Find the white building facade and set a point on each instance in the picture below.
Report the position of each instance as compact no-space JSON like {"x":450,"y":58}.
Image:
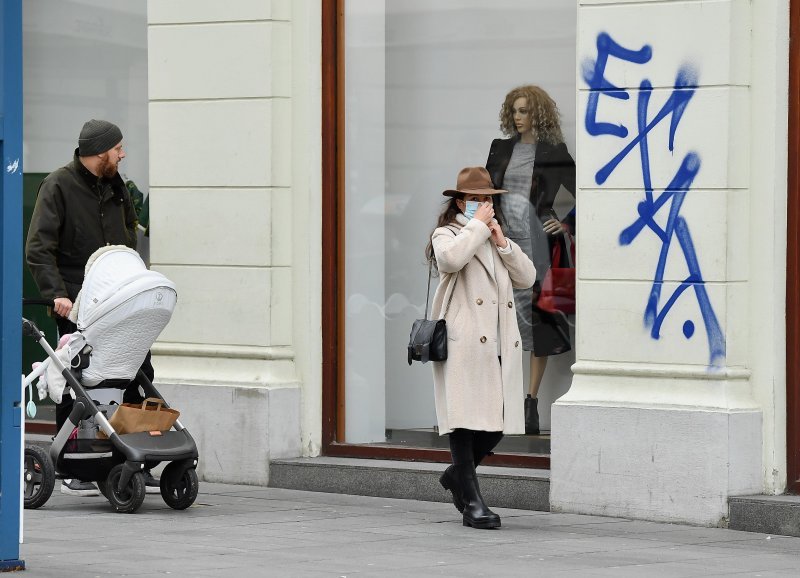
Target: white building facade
{"x":676,"y":113}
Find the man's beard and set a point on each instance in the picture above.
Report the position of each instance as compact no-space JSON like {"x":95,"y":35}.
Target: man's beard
{"x":106,"y":168}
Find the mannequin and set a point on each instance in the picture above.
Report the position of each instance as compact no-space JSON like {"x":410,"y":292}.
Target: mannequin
{"x":533,"y":164}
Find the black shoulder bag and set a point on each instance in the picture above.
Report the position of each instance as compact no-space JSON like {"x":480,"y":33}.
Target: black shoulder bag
{"x":428,"y":341}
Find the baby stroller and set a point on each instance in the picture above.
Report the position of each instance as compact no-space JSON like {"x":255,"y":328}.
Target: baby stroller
{"x":120,"y":311}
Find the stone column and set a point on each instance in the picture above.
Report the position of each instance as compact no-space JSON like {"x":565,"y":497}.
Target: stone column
{"x":220,"y":90}
{"x":666,"y":417}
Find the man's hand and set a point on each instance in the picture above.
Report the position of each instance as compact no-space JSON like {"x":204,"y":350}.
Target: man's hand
{"x":62,"y":306}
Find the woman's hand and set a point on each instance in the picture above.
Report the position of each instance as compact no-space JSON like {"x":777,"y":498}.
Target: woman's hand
{"x":552,"y":227}
{"x":485,"y":213}
{"x":497,"y":234}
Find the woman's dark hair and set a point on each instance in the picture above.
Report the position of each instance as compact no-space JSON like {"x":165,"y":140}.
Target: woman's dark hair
{"x":447,"y":216}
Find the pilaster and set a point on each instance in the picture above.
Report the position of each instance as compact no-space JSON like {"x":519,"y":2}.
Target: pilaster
{"x":663,"y":420}
{"x":221,"y":197}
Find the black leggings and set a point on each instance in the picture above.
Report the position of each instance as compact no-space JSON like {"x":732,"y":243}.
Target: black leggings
{"x":468,"y":445}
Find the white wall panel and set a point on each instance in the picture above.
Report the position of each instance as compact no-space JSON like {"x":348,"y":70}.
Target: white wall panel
{"x":229,"y":60}
{"x":281,"y":306}
{"x":218,"y":144}
{"x":712,"y":35}
{"x":219,"y":305}
{"x":717,"y":222}
{"x":612,"y":327}
{"x":196,"y":226}
{"x":188,"y":11}
{"x":281,"y":206}
{"x":711,"y":127}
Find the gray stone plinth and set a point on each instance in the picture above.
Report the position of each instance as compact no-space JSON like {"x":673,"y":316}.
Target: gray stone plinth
{"x":518,"y":488}
{"x":766,"y":514}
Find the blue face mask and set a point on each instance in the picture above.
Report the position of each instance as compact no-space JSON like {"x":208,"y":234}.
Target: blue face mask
{"x":472,"y":206}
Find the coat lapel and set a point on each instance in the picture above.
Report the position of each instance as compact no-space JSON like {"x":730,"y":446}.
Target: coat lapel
{"x":483,"y":255}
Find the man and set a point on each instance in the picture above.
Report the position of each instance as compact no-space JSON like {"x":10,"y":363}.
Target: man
{"x":81,"y":207}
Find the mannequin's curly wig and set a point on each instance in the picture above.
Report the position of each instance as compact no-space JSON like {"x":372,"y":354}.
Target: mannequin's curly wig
{"x":546,"y":118}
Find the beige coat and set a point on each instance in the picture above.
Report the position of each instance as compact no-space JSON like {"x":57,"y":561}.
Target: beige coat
{"x":471,"y":388}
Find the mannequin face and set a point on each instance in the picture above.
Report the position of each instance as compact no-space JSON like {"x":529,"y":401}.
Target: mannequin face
{"x":523,"y":116}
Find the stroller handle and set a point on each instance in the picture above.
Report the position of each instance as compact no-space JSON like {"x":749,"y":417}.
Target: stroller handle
{"x":37,"y":301}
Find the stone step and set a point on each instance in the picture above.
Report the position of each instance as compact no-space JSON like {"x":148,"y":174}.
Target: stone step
{"x":520,"y":488}
{"x":38,"y":439}
{"x":779,"y":515}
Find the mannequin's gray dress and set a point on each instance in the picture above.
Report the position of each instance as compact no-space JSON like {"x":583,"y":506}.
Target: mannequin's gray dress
{"x":522,"y":225}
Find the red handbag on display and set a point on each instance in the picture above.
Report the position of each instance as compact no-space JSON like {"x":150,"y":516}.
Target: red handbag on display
{"x":558,"y":285}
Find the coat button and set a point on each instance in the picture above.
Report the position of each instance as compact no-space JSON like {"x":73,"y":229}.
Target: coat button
{"x":510,"y":304}
{"x":479,"y":301}
{"x":483,"y":339}
{"x":516,"y":344}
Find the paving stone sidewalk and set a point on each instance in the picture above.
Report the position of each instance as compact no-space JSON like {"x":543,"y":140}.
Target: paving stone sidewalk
{"x":252,"y":531}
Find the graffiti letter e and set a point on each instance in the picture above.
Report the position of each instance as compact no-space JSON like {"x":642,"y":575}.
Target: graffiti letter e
{"x":594,"y":75}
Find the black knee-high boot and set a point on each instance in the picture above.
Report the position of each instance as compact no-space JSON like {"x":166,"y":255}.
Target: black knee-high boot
{"x":461,"y":480}
{"x":483,"y":442}
{"x":476,"y":513}
{"x":531,"y":415}
{"x":461,"y":451}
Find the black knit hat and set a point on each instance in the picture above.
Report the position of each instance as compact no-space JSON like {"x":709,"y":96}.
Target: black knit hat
{"x":98,"y":136}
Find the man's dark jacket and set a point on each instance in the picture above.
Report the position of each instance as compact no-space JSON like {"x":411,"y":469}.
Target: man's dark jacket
{"x":76,"y":213}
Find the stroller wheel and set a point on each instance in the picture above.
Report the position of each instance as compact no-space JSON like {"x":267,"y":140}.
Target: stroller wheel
{"x":39,"y":477}
{"x":179,"y":490}
{"x":131,"y":497}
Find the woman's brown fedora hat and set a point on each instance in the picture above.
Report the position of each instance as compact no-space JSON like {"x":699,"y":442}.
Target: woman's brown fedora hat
{"x":473,"y":181}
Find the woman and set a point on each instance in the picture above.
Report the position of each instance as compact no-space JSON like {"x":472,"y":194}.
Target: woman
{"x":478,"y":398}
{"x":533,"y":164}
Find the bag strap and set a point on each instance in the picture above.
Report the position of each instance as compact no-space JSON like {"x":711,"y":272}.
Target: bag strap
{"x":568,"y":243}
{"x":428,"y":294}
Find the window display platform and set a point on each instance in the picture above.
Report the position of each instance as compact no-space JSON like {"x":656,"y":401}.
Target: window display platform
{"x":430,"y":438}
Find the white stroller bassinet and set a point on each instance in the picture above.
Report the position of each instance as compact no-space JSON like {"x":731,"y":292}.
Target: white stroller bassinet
{"x":121,"y":310}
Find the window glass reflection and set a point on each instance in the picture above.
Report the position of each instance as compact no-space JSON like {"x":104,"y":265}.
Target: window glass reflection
{"x":424,"y":86}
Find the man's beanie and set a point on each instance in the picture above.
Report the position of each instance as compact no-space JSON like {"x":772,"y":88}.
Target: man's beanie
{"x":98,"y":136}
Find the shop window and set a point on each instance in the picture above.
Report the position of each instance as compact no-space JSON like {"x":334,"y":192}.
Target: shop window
{"x":82,"y":59}
{"x":423,"y":85}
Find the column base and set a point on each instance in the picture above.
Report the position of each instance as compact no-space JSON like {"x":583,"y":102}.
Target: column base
{"x":238,"y":428}
{"x":665,"y":464}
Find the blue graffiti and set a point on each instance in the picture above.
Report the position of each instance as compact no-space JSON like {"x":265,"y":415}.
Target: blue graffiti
{"x":676,"y":228}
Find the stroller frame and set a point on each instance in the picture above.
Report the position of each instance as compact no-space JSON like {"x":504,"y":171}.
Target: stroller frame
{"x":135,"y":452}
